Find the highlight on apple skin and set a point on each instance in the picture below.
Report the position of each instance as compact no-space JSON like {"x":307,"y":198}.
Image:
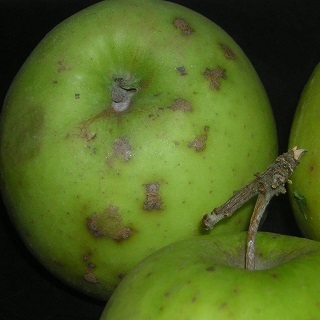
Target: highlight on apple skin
{"x":121,"y":130}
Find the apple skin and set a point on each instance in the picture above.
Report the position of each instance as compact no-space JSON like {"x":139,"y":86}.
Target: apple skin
{"x":304,"y":190}
{"x":204,"y":278}
{"x":94,"y":189}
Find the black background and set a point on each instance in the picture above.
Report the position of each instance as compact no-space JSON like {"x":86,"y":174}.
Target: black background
{"x":282,"y":40}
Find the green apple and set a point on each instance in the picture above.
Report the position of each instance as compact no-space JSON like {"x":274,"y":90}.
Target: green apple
{"x":305,"y":187}
{"x":127,"y":123}
{"x":204,"y":278}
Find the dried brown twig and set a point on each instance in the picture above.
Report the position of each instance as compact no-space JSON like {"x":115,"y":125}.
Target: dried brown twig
{"x":266,"y":185}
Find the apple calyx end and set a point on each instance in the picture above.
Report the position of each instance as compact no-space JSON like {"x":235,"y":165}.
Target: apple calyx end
{"x":121,"y":95}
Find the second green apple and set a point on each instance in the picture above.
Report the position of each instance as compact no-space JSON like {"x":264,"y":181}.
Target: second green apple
{"x":305,"y":187}
{"x":127,"y":123}
{"x":203,"y":278}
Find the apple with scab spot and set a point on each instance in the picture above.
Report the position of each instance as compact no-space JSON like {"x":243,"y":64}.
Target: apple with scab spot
{"x":203,"y":278}
{"x":128,"y":122}
{"x":304,"y":190}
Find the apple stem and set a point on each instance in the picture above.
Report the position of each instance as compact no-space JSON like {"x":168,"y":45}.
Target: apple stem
{"x":266,"y":185}
{"x":258,"y":212}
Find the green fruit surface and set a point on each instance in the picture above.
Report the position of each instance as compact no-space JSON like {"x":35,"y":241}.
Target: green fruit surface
{"x":305,"y":133}
{"x":93,"y":190}
{"x":204,"y":279}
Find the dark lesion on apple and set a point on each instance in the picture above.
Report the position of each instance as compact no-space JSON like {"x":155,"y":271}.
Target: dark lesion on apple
{"x":86,"y":134}
{"x":199,"y":142}
{"x":122,"y":149}
{"x":182,"y":70}
{"x":227,"y":51}
{"x":63,"y":66}
{"x":181,"y":104}
{"x":90,"y":277}
{"x":214,"y":77}
{"x":108,"y":224}
{"x":89,"y":274}
{"x":184,"y":26}
{"x":121,"y":275}
{"x":153,"y":200}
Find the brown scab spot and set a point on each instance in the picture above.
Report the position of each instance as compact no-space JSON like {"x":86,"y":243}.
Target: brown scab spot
{"x":181,"y":24}
{"x":214,"y":76}
{"x":62,"y":66}
{"x":121,"y":275}
{"x":211,"y":268}
{"x":86,"y":134}
{"x":223,"y":305}
{"x":87,"y":256}
{"x":182,"y":70}
{"x":108,"y":224}
{"x":157,"y":113}
{"x":89,"y":276}
{"x":181,"y":104}
{"x":199,"y":143}
{"x":228,"y":53}
{"x":122,"y":149}
{"x":153,"y":200}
